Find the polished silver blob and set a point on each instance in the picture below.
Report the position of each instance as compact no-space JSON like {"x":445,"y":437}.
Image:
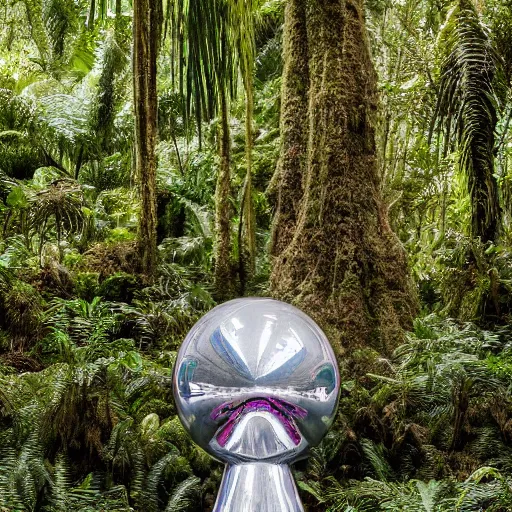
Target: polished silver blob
{"x":256,"y":384}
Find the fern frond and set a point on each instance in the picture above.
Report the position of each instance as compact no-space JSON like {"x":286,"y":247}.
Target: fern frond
{"x":185,"y":495}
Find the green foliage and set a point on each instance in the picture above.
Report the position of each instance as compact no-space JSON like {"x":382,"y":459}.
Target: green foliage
{"x":185,"y":495}
{"x":61,"y":20}
{"x":120,"y":287}
{"x":17,"y":198}
{"x":120,"y":235}
{"x":117,"y":208}
{"x":166,"y":310}
{"x":72,"y":259}
{"x":470,"y":96}
{"x":86,"y":285}
{"x":433,"y":423}
{"x":19,"y":158}
{"x":22,"y":308}
{"x":61,"y":203}
{"x":87,"y":419}
{"x":111,"y":60}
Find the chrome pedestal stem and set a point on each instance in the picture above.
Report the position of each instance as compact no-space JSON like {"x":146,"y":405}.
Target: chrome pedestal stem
{"x":258,"y":487}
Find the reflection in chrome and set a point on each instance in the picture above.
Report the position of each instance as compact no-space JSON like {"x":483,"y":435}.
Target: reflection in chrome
{"x":256,"y":385}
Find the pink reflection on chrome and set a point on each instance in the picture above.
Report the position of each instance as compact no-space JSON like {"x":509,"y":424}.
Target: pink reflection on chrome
{"x":281,"y":409}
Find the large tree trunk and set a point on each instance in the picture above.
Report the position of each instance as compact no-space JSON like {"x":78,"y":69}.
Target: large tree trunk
{"x":91,"y":15}
{"x":286,"y":188}
{"x":146,"y":34}
{"x":335,"y":255}
{"x":119,"y":11}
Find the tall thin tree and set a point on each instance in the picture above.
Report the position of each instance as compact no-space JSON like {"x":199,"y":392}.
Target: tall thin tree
{"x":213,"y":43}
{"x":147,"y":18}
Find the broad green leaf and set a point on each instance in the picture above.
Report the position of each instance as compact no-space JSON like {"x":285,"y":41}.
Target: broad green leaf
{"x":17,"y":198}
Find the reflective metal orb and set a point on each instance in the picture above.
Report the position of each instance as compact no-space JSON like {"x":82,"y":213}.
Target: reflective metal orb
{"x":256,"y":381}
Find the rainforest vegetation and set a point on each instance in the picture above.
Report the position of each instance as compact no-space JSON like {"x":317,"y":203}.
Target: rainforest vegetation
{"x":158,"y":157}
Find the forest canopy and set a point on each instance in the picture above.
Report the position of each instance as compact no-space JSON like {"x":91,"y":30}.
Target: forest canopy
{"x":159,"y":157}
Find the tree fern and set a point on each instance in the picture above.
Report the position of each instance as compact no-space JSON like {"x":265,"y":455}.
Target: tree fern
{"x":467,"y":109}
{"x":495,"y":495}
{"x":61,"y":485}
{"x":9,"y":498}
{"x":376,"y":456}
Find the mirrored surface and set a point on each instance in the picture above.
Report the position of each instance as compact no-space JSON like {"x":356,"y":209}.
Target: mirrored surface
{"x":256,"y":380}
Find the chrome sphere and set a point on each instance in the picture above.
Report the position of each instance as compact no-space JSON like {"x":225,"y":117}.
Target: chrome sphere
{"x":256,"y":380}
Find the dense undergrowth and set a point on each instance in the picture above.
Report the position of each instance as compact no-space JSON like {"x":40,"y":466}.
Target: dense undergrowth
{"x":88,"y":418}
{"x":87,"y":343}
{"x":429,"y":429}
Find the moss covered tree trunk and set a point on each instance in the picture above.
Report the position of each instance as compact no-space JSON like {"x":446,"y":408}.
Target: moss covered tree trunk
{"x":335,"y":255}
{"x":223,"y":272}
{"x":146,"y":34}
{"x":91,"y":16}
{"x":247,"y":226}
{"x":482,"y":184}
{"x":286,"y":187}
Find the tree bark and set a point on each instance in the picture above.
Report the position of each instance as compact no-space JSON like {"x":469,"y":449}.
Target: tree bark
{"x":146,"y":35}
{"x":224,"y":287}
{"x":335,"y":255}
{"x":247,"y":227}
{"x":286,"y":188}
{"x":482,"y":185}
{"x":91,"y":15}
{"x":119,"y":11}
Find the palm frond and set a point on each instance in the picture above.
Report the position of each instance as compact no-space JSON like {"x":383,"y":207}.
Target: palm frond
{"x":210,"y":42}
{"x":62,"y":201}
{"x":156,"y":476}
{"x":65,"y":117}
{"x":61,"y":20}
{"x":376,"y":456}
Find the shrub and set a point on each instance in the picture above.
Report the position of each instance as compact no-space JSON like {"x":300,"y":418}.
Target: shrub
{"x":86,"y":285}
{"x":120,"y":287}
